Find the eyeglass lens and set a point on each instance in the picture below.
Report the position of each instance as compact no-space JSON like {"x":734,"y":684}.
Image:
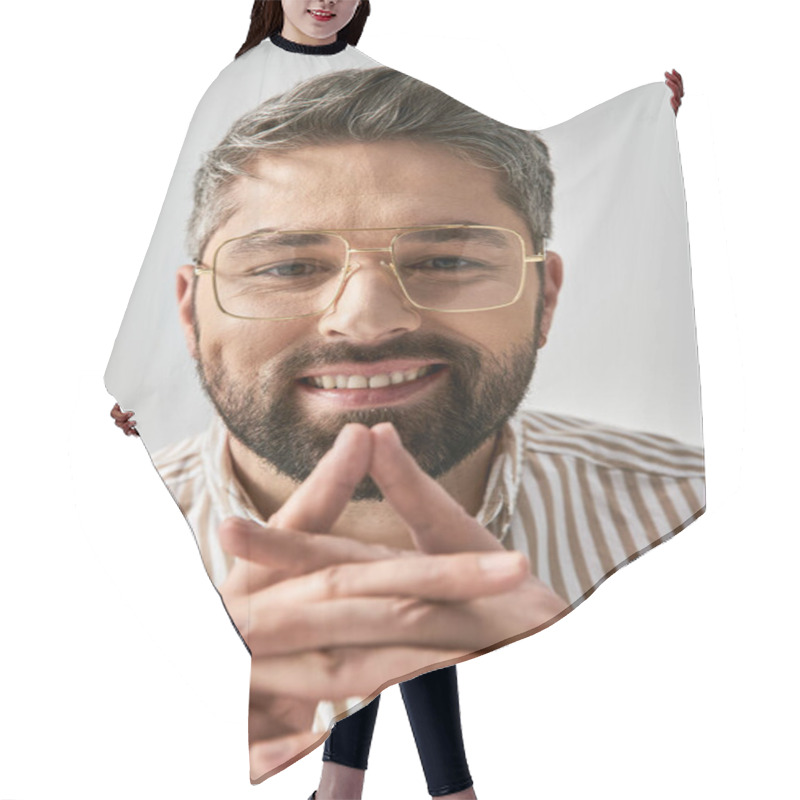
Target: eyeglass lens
{"x":288,"y":274}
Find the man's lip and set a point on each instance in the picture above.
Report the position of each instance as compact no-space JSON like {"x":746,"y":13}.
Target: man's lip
{"x":327,"y":400}
{"x":368,"y":369}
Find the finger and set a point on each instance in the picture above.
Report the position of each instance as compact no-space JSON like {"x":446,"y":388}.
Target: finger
{"x":321,"y":498}
{"x":289,"y":615}
{"x":379,"y":623}
{"x":294,"y":552}
{"x":387,"y":621}
{"x":431,"y":578}
{"x":121,"y":416}
{"x":436,"y":521}
{"x":269,"y":757}
{"x":344,"y":672}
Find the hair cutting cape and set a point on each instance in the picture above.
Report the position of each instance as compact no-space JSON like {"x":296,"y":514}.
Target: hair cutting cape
{"x":603,"y":461}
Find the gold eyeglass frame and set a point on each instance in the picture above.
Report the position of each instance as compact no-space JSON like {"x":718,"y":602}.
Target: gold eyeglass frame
{"x":347,"y":270}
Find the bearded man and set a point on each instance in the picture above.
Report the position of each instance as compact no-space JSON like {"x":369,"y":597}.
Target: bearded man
{"x":370,"y":290}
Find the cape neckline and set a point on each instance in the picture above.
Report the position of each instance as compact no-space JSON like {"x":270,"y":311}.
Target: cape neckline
{"x":308,"y":49}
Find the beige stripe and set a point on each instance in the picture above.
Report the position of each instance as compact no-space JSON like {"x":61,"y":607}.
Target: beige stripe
{"x":583,"y":424}
{"x":184,"y":496}
{"x":648,"y":441}
{"x":529,"y":526}
{"x":675,"y":454}
{"x":673,"y":517}
{"x":203,"y":512}
{"x":171,"y":470}
{"x":617,"y":516}
{"x":652,"y":441}
{"x":578,"y":558}
{"x":556,"y":578}
{"x":533,"y":424}
{"x":691,"y":498}
{"x":651,"y":462}
{"x":595,"y":527}
{"x":641,"y":508}
{"x":183,"y":471}
{"x":562,"y":423}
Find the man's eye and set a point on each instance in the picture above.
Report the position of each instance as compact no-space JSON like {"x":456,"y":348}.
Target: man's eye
{"x":290,"y":269}
{"x":446,"y":264}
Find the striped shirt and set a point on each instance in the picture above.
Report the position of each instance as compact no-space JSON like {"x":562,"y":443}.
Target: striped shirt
{"x":579,"y":499}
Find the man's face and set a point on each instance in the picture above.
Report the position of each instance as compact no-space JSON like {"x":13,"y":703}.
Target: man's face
{"x":453,"y":379}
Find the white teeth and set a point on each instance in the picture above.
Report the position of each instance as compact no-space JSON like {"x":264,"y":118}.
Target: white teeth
{"x":357,"y":382}
{"x":379,"y":381}
{"x":371,"y":382}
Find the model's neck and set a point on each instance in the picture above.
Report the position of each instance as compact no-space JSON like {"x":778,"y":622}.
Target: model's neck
{"x":368,"y":521}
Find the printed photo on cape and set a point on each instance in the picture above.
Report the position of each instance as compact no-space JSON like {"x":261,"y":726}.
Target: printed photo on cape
{"x":357,"y":247}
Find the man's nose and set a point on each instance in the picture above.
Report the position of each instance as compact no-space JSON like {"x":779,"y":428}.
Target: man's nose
{"x":370,"y":306}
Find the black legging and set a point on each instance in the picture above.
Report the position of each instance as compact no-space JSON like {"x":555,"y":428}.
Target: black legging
{"x":432,"y":706}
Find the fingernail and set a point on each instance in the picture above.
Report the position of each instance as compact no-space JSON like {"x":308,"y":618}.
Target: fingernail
{"x":497,"y":564}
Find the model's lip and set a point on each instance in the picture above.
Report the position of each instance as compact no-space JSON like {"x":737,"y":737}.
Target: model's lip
{"x":320,"y":14}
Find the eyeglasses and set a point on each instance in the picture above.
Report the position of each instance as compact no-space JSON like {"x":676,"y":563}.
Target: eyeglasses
{"x":283,"y":275}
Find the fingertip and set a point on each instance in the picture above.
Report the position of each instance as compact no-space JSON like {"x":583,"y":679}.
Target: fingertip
{"x":387,"y":446}
{"x":354,"y":443}
{"x":352,"y":432}
{"x":228,"y":530}
{"x":233,"y":531}
{"x":386,"y":432}
{"x":507,"y":564}
{"x":353,"y":426}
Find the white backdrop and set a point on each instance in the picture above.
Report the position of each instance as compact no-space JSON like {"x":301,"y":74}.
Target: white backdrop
{"x":120,"y":675}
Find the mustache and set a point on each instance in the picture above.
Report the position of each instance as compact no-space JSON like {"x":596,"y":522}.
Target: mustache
{"x":422,"y":346}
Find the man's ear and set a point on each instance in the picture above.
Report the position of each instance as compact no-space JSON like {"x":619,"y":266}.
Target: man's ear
{"x":185,"y":289}
{"x":553,"y":278}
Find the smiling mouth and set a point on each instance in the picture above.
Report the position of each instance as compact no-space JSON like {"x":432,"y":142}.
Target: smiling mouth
{"x":323,"y":16}
{"x":380,"y":381}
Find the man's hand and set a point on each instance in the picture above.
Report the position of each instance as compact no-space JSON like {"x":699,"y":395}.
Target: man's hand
{"x":328,"y":618}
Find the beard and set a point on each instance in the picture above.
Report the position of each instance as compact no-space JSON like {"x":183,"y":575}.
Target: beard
{"x":477,"y":396}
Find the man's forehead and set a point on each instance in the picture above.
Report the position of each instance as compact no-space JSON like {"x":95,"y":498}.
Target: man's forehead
{"x":356,"y":167}
{"x":368,"y":184}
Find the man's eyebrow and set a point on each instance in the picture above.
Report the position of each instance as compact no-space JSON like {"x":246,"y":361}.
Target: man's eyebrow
{"x":488,"y":236}
{"x":256,"y":241}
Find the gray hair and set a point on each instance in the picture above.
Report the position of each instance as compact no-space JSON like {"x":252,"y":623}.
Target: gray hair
{"x":370,"y":106}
